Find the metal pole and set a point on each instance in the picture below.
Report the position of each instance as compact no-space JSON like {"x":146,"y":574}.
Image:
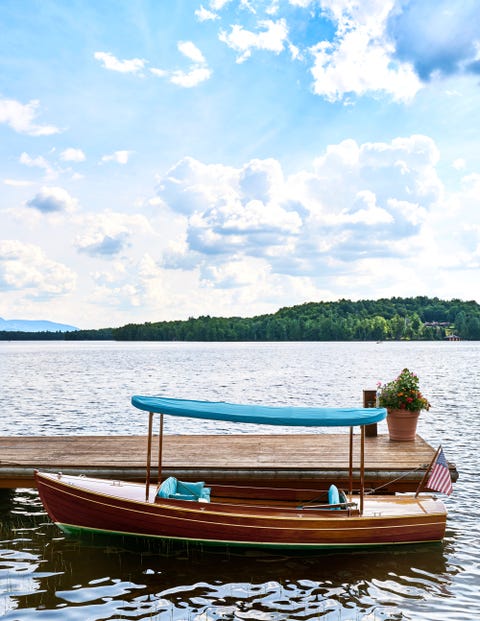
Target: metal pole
{"x":362,"y":467}
{"x":149,"y":455}
{"x":160,"y":448}
{"x":350,"y":472}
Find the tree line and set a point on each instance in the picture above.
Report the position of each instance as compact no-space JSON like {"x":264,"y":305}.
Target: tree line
{"x":416,"y":318}
{"x":104,"y":334}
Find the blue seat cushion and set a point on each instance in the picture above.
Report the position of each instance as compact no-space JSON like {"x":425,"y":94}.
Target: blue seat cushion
{"x":178,"y":496}
{"x":195,"y":489}
{"x":181,"y":490}
{"x":169,"y":486}
{"x":333,"y":495}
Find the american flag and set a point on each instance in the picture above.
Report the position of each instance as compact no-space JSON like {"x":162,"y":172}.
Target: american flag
{"x":440,"y":479}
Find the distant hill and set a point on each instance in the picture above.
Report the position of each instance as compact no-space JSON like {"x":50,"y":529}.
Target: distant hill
{"x":32,"y":325}
{"x":395,"y":319}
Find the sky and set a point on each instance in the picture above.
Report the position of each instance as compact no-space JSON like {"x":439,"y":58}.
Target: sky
{"x":168,"y":159}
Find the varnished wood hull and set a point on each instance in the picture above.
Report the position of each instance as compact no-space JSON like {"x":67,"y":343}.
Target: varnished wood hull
{"x":119,"y":509}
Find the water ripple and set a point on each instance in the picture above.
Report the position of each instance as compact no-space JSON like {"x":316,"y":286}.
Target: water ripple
{"x":69,"y":389}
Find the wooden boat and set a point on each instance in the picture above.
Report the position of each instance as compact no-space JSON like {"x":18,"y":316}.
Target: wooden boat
{"x":243,"y":515}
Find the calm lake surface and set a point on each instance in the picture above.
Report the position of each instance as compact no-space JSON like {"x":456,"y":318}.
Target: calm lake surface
{"x":57,"y":388}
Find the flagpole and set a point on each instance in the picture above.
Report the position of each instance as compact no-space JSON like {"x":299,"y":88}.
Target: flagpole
{"x":427,"y":472}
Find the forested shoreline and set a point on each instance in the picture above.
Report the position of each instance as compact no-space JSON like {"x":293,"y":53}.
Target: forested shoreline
{"x":416,"y":318}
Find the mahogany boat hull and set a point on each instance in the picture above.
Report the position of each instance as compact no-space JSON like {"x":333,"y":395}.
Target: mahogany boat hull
{"x":76,"y":503}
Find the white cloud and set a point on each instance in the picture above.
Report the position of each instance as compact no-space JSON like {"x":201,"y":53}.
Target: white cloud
{"x":119,"y":157}
{"x":272,"y":38}
{"x":458,"y":227}
{"x":373,"y":200}
{"x":21,"y":118}
{"x":191,"y":78}
{"x":358,"y":59}
{"x":204,"y":15}
{"x":104,"y":245}
{"x":24,"y":267}
{"x":192,"y":186}
{"x":238,"y":272}
{"x":217,"y":5}
{"x":109,"y":61}
{"x":131,"y":284}
{"x":301,"y":3}
{"x":229,"y":210}
{"x":273,"y":8}
{"x":256,"y":216}
{"x":109,"y":234}
{"x":39,"y":162}
{"x":197,"y":73}
{"x":18,"y":183}
{"x":161,"y":73}
{"x":459,"y":164}
{"x":72,"y":155}
{"x":191,"y":51}
{"x":361,"y":57}
{"x":365,"y":210}
{"x":53,"y":199}
{"x":261,"y":180}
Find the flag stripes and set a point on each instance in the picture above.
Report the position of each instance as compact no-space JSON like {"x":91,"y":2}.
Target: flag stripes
{"x":440,"y":479}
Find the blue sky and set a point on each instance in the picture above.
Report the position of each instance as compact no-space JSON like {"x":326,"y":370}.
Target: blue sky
{"x":170,"y":159}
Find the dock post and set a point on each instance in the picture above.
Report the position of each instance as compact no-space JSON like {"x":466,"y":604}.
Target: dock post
{"x":369,"y":396}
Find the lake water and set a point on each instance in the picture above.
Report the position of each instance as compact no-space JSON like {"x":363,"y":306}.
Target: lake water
{"x":57,"y":388}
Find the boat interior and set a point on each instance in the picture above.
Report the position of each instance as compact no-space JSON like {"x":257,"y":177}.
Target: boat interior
{"x":221,"y":497}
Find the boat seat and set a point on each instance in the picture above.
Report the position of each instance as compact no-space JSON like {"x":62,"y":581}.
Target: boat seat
{"x":182,"y":490}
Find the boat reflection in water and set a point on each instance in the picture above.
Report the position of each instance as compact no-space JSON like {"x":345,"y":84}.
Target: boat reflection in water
{"x":103,"y":577}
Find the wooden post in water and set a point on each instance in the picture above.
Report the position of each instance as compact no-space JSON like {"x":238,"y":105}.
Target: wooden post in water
{"x":369,"y":398}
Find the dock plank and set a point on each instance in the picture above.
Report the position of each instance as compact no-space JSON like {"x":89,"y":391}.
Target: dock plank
{"x":286,"y":459}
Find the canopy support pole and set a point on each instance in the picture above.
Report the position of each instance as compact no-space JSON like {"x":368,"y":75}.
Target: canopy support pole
{"x":160,"y":449}
{"x":350,"y":466}
{"x":362,"y":466}
{"x":149,"y":455}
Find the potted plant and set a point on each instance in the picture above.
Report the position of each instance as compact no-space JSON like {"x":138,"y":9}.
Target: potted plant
{"x":404,"y":402}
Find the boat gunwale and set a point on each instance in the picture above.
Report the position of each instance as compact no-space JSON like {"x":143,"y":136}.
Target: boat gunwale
{"x":251,"y":511}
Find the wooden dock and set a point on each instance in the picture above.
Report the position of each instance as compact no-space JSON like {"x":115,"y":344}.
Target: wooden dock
{"x":311,"y":460}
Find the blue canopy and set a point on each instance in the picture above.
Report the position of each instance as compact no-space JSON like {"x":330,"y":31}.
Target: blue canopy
{"x":261,"y":414}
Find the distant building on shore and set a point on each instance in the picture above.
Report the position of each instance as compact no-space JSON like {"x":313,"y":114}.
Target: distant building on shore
{"x":453,"y":337}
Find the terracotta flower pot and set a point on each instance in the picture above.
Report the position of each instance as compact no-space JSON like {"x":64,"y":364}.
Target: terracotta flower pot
{"x":402,"y":424}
